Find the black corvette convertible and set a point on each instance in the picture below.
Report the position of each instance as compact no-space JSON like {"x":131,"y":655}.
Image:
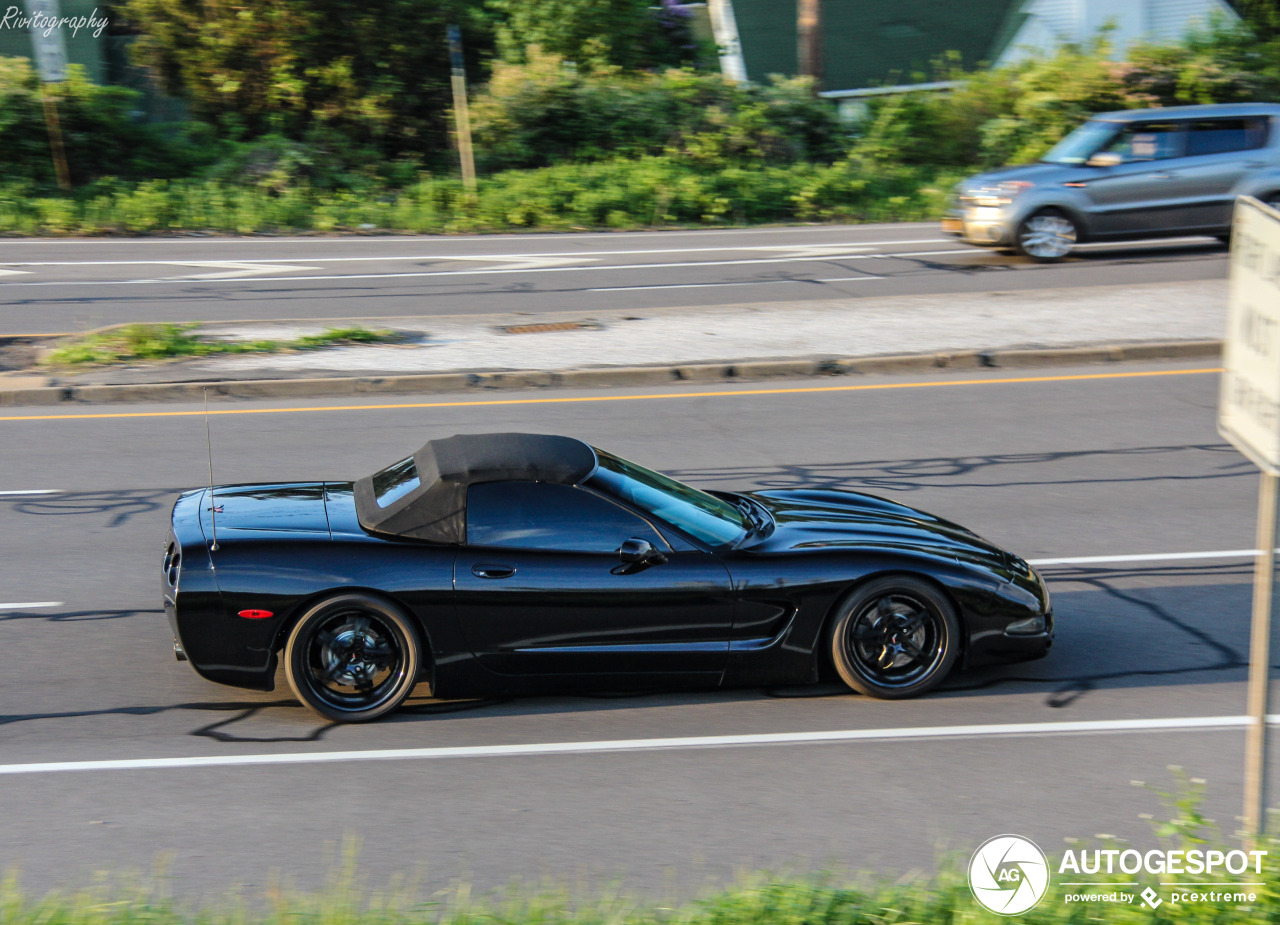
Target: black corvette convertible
{"x":510,"y":563}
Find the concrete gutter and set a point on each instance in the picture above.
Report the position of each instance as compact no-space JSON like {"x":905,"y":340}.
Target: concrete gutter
{"x":12,"y":393}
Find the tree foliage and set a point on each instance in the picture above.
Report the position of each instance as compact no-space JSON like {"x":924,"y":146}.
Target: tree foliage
{"x":101,"y":136}
{"x":630,"y":34}
{"x":375,"y":71}
{"x":1016,"y":113}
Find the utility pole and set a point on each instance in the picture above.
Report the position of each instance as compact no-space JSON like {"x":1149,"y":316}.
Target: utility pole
{"x":50,"y":50}
{"x":809,"y":40}
{"x":462,"y":118}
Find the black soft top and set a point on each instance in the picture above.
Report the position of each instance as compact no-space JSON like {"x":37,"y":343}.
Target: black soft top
{"x":436,"y":510}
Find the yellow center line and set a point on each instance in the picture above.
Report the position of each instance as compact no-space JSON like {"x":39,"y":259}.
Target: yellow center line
{"x":598,"y":398}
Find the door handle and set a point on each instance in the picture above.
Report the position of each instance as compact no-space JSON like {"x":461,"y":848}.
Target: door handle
{"x":481,"y":570}
{"x":1164,"y":174}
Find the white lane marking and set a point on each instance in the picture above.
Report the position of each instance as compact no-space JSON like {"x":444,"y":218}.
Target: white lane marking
{"x":231,"y":269}
{"x":754,"y":282}
{"x":481,"y":272}
{"x":1151,"y":557}
{"x":30,"y":605}
{"x":34,"y":491}
{"x":815,"y":250}
{"x":4,"y":272}
{"x":509,"y":236}
{"x":1079,"y":727}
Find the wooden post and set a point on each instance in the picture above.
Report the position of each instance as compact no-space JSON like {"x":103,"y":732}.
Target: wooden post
{"x":55,"y":140}
{"x":461,"y":116}
{"x":1258,"y":697}
{"x":809,"y":40}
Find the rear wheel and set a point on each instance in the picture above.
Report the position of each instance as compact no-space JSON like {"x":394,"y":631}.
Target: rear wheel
{"x":1047,"y":235}
{"x":353,"y":658}
{"x":895,"y":637}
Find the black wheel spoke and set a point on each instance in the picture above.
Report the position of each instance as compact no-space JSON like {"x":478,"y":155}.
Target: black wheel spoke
{"x":909,"y":646}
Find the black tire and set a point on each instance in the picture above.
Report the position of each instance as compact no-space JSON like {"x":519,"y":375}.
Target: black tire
{"x":353,"y":658}
{"x":1047,"y":236}
{"x":895,"y":637}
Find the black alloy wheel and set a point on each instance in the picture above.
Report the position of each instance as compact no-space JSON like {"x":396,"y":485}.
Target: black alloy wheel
{"x":895,"y":637}
{"x":353,"y":658}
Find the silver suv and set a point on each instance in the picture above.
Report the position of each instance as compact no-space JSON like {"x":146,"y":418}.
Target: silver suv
{"x":1133,"y":174}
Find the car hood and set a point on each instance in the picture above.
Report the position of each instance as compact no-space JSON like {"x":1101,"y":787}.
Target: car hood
{"x":1039,"y":174}
{"x":830,"y":519}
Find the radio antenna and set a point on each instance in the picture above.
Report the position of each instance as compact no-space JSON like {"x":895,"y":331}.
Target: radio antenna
{"x":213,"y":508}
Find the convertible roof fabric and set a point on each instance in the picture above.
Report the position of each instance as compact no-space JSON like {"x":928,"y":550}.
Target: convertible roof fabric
{"x":436,"y":509}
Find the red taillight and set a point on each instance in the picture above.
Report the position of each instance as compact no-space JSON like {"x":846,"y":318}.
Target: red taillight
{"x":257,"y":614}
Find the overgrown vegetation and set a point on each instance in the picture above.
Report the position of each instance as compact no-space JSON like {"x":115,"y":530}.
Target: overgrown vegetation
{"x":136,"y":342}
{"x":292,"y":143}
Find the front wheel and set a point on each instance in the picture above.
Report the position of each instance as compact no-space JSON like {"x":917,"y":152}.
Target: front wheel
{"x":352,"y":658}
{"x":1047,"y":236}
{"x":895,"y":637}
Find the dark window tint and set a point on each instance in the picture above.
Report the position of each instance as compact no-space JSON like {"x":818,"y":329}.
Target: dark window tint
{"x":395,"y":481}
{"x":542,"y":515}
{"x":1218,"y":136}
{"x":1148,"y":141}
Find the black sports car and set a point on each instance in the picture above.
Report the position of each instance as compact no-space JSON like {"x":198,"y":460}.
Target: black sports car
{"x":509,"y":563}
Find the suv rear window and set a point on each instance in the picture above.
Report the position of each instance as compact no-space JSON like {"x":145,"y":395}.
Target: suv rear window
{"x":1218,"y":136}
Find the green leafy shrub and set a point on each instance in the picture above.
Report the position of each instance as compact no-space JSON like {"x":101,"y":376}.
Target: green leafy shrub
{"x":101,"y":130}
{"x":1016,"y":113}
{"x":546,"y":112}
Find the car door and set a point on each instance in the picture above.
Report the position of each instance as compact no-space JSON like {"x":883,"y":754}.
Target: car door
{"x":1219,"y":154}
{"x":541,"y":589}
{"x":1141,"y":193}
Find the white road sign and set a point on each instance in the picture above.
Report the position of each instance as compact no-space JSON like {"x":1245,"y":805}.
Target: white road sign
{"x":1249,"y":403}
{"x":47,"y":41}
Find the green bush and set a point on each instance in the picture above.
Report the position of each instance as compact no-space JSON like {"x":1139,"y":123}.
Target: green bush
{"x":102,"y":131}
{"x":1016,"y":113}
{"x":641,"y":193}
{"x":546,"y":112}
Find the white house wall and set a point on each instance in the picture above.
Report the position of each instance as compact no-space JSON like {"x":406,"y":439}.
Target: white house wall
{"x":1054,"y":22}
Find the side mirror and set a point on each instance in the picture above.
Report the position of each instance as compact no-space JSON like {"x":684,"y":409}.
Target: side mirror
{"x":636,"y":551}
{"x":1105,"y":159}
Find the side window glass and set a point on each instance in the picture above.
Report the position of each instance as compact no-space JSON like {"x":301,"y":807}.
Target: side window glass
{"x":542,"y":515}
{"x":1148,"y":141}
{"x":1220,"y":136}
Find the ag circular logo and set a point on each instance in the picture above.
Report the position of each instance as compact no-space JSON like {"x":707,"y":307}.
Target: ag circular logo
{"x":1008,"y":875}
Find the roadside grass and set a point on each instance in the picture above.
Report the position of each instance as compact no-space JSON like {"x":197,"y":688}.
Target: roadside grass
{"x":647,"y":192}
{"x":762,"y":898}
{"x":136,"y":342}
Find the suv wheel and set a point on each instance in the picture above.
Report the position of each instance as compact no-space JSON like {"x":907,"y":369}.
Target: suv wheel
{"x":1047,"y":236}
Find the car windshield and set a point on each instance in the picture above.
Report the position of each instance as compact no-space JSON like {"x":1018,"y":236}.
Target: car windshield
{"x":703,"y":516}
{"x":1083,"y":143}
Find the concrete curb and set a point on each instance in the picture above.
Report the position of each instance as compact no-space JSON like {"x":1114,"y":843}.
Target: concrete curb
{"x":455,"y":382}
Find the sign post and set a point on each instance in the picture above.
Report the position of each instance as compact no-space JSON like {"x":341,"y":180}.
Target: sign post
{"x":50,"y":50}
{"x":1249,"y":416}
{"x":462,"y":118}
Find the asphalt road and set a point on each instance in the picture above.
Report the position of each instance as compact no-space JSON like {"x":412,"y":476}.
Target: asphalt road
{"x":56,"y":286}
{"x":1089,"y":462}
